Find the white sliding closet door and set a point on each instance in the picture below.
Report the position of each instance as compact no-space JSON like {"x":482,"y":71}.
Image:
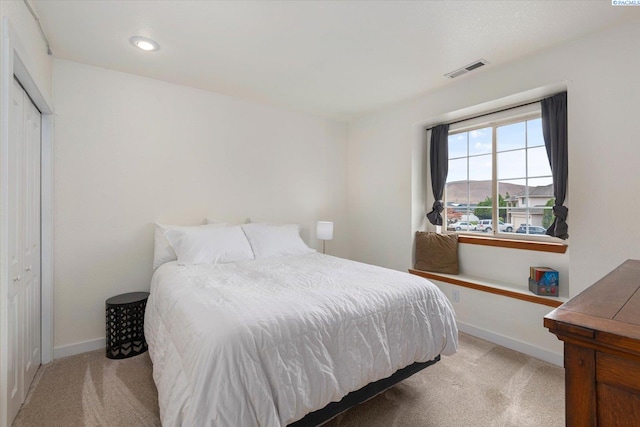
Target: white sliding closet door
{"x":24,"y":247}
{"x":31,"y":238}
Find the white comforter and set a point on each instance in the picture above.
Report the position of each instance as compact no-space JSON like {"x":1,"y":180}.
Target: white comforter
{"x":264,"y":342}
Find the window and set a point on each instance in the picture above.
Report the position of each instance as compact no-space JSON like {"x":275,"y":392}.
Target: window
{"x":499,"y":178}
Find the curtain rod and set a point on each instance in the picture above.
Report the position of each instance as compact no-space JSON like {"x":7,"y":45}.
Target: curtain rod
{"x":488,"y":114}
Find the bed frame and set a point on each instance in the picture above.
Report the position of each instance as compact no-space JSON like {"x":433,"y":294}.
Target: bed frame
{"x":333,"y":409}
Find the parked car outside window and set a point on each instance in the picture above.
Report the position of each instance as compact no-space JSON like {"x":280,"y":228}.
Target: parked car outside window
{"x":461,"y":226}
{"x":532,"y":229}
{"x":487,"y":225}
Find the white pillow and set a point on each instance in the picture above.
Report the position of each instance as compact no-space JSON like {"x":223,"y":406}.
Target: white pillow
{"x":271,"y":241}
{"x":162,"y":250}
{"x":209,"y":245}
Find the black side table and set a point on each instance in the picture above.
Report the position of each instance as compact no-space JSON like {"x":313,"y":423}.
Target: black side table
{"x":125,"y":325}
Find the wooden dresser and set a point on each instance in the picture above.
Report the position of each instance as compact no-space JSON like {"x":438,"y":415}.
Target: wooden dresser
{"x":601,"y":332}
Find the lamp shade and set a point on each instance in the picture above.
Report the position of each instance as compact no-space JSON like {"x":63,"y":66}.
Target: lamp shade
{"x":324,"y":231}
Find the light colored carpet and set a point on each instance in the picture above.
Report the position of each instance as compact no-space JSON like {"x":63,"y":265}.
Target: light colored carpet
{"x":482,"y":385}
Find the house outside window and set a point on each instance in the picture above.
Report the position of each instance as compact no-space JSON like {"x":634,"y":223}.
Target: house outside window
{"x":499,"y":179}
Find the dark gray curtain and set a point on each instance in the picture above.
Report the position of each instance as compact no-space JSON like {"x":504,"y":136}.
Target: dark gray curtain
{"x":439,"y":164}
{"x":554,"y":131}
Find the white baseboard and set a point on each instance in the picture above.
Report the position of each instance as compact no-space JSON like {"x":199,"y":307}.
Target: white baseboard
{"x":80,"y":347}
{"x":522,"y":347}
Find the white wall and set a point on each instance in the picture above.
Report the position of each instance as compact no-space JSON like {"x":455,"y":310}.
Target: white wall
{"x":132,"y":150}
{"x":386,"y":192}
{"x":32,"y":48}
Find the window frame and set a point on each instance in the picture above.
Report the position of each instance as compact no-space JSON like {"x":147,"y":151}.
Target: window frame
{"x":494,"y":121}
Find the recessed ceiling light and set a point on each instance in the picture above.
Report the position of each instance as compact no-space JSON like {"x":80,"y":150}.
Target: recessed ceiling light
{"x":144,"y":43}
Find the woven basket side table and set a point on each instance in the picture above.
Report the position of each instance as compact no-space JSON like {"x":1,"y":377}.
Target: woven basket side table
{"x":125,"y":325}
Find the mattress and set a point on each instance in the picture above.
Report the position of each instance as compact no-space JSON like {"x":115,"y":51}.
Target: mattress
{"x":264,"y":342}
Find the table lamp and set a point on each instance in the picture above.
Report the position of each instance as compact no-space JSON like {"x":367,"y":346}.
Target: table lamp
{"x":324,"y":232}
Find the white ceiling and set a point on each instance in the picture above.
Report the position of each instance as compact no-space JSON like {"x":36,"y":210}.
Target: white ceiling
{"x":337,"y":59}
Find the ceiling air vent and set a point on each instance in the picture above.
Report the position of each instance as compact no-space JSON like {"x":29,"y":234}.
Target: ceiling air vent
{"x":477,"y":64}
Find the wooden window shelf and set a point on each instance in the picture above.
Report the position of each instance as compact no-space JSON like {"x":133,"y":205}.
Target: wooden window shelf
{"x":494,"y":288}
{"x":530,"y":245}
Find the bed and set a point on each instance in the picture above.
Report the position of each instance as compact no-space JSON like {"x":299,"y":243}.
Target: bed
{"x":272,"y":341}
